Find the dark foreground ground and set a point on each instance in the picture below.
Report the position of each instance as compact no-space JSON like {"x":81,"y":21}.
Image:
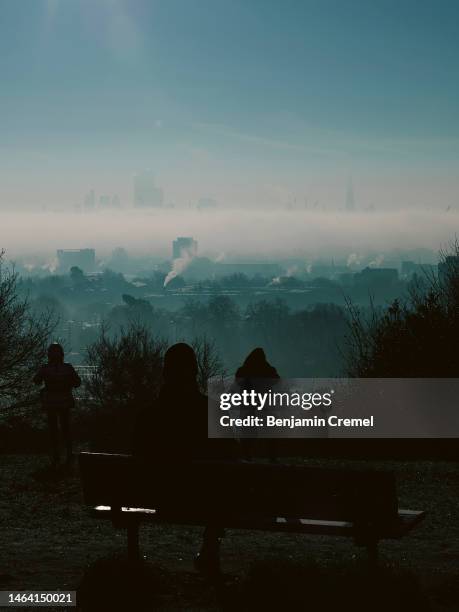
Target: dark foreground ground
{"x":48,"y":541}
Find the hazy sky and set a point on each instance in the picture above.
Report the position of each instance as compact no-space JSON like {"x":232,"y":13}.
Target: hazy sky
{"x":247,"y":101}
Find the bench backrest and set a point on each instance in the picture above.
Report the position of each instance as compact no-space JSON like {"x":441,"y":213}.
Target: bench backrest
{"x":218,"y":489}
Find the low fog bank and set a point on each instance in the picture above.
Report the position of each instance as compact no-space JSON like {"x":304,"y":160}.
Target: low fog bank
{"x":221,"y":234}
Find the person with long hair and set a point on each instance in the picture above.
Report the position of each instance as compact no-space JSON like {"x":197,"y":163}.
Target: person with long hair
{"x":171,"y":433}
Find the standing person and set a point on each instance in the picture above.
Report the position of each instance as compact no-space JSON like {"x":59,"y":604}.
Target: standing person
{"x":59,"y":379}
{"x":256,"y":373}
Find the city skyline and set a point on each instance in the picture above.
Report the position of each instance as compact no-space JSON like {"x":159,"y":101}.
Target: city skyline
{"x":248,"y":103}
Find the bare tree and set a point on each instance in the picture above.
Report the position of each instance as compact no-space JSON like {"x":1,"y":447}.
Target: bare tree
{"x":23,"y":340}
{"x":417,"y":337}
{"x":126,"y":367}
{"x":125,"y":374}
{"x":209,"y":363}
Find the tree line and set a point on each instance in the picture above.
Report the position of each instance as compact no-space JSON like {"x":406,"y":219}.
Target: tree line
{"x":416,"y":336}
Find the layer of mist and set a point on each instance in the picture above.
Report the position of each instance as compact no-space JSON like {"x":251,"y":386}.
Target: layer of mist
{"x":221,"y":234}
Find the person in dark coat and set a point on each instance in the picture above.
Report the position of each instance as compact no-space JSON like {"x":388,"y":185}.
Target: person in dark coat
{"x":256,"y":367}
{"x":172,"y":433}
{"x":58,"y":379}
{"x":174,"y":427}
{"x":258,"y":374}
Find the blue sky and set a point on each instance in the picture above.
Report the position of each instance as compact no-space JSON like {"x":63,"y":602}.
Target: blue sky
{"x":242,"y":100}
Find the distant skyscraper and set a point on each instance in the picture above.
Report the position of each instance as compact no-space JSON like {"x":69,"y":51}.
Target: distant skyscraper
{"x":90,"y":200}
{"x":107,"y":201}
{"x":104,"y":201}
{"x":184,"y":246}
{"x":350,"y":202}
{"x":146,"y":194}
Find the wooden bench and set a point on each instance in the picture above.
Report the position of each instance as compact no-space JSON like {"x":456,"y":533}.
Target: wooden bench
{"x":361,"y":504}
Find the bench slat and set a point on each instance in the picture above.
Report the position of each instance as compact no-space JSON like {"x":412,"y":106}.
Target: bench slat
{"x":407,"y":520}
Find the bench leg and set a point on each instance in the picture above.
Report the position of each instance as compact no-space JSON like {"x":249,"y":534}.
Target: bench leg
{"x":133,"y":541}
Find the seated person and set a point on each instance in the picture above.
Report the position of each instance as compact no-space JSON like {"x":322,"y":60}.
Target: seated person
{"x":173,"y":432}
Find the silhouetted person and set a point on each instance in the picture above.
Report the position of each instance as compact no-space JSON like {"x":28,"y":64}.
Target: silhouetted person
{"x":59,"y":379}
{"x":173,"y":433}
{"x":256,"y":366}
{"x":175,"y":426}
{"x":258,"y":374}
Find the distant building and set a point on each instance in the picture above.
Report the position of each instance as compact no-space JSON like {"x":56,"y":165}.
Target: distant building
{"x":264,"y":269}
{"x":184,"y":246}
{"x":90,"y":200}
{"x":119,"y":260}
{"x":376,"y":277}
{"x":104,"y":201}
{"x":410,"y":268}
{"x":108,"y":201}
{"x":146,"y":194}
{"x":82,"y":258}
{"x":327,"y":270}
{"x":448,"y":267}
